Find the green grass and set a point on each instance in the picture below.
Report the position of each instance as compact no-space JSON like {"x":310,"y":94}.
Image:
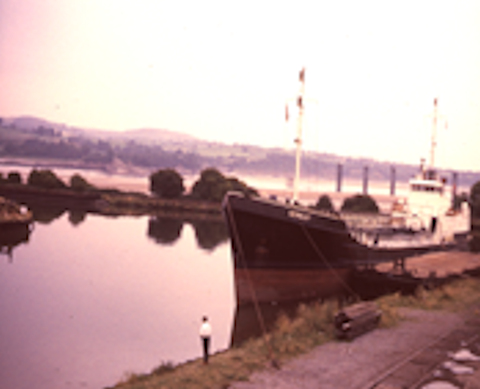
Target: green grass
{"x":455,"y":296}
{"x":312,"y":326}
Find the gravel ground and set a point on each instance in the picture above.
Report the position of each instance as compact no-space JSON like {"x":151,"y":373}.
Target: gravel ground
{"x":363,"y":362}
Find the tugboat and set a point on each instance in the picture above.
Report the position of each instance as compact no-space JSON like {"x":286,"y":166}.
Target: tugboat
{"x":310,"y":252}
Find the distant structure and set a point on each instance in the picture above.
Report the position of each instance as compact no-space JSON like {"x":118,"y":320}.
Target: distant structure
{"x":339,"y":177}
{"x":365,"y":180}
{"x":392,"y":180}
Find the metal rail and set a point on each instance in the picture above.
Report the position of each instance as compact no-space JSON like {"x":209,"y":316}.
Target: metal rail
{"x":403,"y":362}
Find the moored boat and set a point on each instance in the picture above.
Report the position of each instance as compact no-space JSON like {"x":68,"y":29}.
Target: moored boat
{"x":267,"y":234}
{"x":15,"y":225}
{"x":13,"y":214}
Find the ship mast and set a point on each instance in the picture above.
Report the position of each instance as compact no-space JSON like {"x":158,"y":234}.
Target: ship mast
{"x":298,"y":139}
{"x":434,"y":134}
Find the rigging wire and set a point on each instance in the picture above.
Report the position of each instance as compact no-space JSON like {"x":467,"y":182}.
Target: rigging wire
{"x":325,"y":261}
{"x":258,"y":312}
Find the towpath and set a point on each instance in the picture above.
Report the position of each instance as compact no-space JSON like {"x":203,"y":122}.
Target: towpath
{"x":419,"y":353}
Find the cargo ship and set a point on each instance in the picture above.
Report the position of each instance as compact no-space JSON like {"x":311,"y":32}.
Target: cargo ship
{"x":286,"y":250}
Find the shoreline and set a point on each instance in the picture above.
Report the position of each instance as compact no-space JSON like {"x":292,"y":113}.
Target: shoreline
{"x":308,"y":354}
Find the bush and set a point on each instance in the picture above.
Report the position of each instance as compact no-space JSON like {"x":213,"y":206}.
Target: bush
{"x":14,"y":178}
{"x":360,"y":204}
{"x":80,"y":184}
{"x":324,"y":203}
{"x":475,"y":200}
{"x":45,"y":179}
{"x":213,"y":185}
{"x":167,"y":183}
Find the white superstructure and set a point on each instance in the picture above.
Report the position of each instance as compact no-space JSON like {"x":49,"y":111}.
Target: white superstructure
{"x":429,"y":207}
{"x":430,"y":204}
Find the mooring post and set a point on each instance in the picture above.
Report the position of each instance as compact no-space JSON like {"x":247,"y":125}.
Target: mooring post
{"x":454,"y":187}
{"x":392,"y":180}
{"x":365,"y":180}
{"x":339,"y":177}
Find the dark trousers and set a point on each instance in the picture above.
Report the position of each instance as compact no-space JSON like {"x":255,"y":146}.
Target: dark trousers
{"x":206,"y":345}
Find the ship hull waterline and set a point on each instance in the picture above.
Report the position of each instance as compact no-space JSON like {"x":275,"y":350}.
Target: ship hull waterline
{"x":267,"y":234}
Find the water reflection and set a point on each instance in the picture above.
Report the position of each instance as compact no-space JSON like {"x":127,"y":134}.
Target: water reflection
{"x":77,"y":216}
{"x":209,"y":233}
{"x":165,"y":230}
{"x":46,"y":215}
{"x":13,"y":236}
{"x":277,"y":291}
{"x":247,"y":324}
{"x":104,"y":290}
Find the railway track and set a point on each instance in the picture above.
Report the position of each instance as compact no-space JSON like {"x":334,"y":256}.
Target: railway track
{"x":434,"y":363}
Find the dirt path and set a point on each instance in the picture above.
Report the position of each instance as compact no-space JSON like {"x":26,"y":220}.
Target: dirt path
{"x":441,"y":264}
{"x":393,"y":358}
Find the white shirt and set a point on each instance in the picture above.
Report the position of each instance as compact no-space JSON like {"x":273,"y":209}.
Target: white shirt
{"x":205,"y":330}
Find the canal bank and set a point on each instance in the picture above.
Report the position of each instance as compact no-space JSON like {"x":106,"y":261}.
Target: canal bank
{"x":416,"y":337}
{"x":434,"y":349}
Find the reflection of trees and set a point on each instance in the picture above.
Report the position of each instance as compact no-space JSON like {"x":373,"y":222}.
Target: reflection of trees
{"x":165,"y":230}
{"x":77,"y":216}
{"x":210,"y":233}
{"x":46,"y":215}
{"x":12,"y":236}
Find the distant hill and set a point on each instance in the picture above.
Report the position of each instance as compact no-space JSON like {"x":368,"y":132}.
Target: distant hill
{"x":148,"y":134}
{"x":149,"y":149}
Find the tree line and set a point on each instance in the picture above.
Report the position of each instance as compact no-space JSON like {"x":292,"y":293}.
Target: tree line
{"x":212,"y":185}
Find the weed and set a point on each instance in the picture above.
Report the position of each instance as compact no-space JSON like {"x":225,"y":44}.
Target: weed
{"x":313,"y":325}
{"x":165,"y":367}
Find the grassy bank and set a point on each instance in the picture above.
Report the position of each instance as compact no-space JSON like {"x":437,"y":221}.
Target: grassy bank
{"x":121,"y":203}
{"x":109,"y":201}
{"x":312,"y":326}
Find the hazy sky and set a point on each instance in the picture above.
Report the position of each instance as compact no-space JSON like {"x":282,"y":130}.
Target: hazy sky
{"x":223,"y":71}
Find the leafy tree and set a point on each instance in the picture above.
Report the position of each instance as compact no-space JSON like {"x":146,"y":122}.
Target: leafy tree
{"x":213,"y":185}
{"x":167,"y":183}
{"x":14,"y":178}
{"x":324,"y":203}
{"x":475,"y":200}
{"x":45,"y":179}
{"x":80,"y":184}
{"x":360,"y":204}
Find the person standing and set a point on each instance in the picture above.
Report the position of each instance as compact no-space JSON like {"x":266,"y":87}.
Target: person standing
{"x":205,"y":335}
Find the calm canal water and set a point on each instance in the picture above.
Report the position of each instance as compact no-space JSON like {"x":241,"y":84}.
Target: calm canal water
{"x":88,"y":299}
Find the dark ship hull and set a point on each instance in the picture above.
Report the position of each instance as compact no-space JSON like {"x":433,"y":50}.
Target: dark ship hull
{"x":282,"y":285}
{"x":268,"y":234}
